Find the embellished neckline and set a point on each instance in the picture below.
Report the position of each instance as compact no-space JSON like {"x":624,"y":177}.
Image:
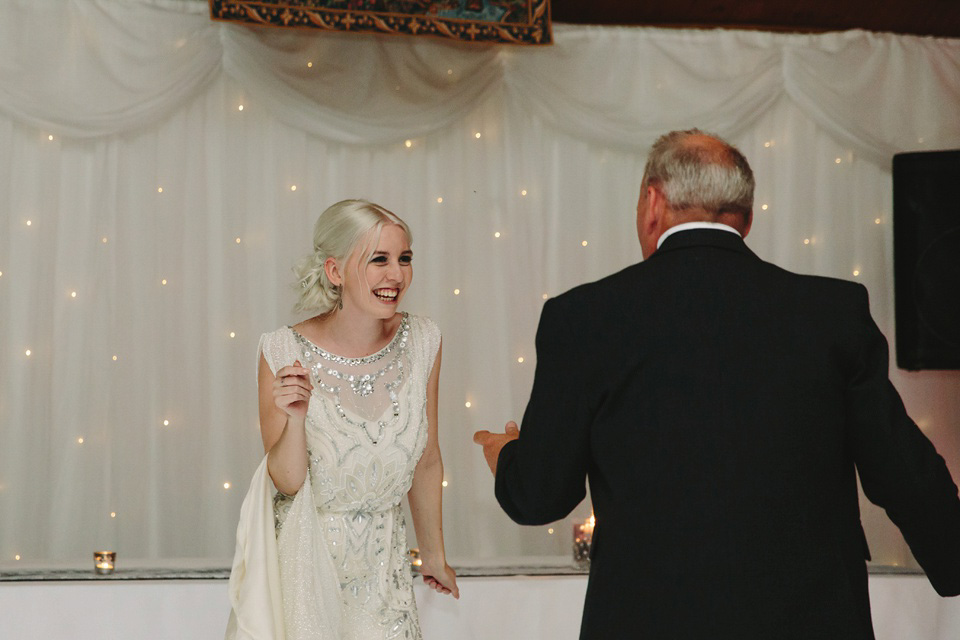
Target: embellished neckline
{"x":331,"y":373}
{"x":400,"y":336}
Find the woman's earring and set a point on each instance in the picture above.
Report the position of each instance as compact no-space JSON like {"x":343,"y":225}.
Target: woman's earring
{"x":339,"y":297}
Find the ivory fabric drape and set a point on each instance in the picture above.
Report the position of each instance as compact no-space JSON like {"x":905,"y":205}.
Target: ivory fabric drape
{"x":160,"y":173}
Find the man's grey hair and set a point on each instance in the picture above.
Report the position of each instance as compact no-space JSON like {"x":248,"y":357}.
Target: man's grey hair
{"x":715,"y":178}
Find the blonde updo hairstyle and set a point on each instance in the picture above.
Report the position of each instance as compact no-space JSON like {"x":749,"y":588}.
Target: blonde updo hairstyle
{"x":337,"y":233}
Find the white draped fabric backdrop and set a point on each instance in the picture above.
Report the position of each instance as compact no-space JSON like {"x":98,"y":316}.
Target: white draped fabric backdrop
{"x":160,"y":173}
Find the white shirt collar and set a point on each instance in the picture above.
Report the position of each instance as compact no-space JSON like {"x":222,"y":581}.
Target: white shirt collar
{"x":694,"y":225}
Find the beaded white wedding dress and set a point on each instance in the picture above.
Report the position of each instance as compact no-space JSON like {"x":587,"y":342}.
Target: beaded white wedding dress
{"x":331,"y":562}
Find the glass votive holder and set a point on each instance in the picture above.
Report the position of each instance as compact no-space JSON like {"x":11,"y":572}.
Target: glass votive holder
{"x":103,"y":562}
{"x":581,"y":545}
{"x":415,"y":561}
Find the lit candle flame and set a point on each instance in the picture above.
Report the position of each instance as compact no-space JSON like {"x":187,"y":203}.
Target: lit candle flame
{"x":589,"y":523}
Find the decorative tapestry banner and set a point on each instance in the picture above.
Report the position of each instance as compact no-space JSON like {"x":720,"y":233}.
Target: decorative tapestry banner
{"x":510,"y":21}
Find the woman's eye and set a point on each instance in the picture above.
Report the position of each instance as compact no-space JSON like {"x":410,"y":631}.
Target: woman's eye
{"x":379,"y":260}
{"x":406,"y":259}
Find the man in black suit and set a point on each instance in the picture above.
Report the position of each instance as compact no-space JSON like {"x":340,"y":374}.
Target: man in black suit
{"x":721,"y":408}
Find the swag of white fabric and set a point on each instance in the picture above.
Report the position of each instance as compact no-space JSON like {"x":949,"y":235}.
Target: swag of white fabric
{"x":367,"y":90}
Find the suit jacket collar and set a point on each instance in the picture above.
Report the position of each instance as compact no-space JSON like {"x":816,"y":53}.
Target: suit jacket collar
{"x":691,"y":238}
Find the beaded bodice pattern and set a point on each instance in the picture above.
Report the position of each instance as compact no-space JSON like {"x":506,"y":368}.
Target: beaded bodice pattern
{"x":366,"y":430}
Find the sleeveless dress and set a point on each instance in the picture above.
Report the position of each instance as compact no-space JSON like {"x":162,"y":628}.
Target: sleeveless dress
{"x":331,"y":562}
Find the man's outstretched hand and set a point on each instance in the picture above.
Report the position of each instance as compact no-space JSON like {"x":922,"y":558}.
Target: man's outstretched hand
{"x":493,"y":442}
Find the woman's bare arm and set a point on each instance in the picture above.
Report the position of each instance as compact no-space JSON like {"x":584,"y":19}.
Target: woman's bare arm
{"x":284,"y":399}
{"x":425,"y":498}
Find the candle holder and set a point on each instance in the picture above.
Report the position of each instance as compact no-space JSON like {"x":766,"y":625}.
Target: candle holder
{"x":103,"y":562}
{"x":415,"y":561}
{"x":582,"y":539}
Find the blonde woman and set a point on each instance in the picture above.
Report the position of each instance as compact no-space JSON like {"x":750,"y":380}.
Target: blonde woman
{"x":348,"y":416}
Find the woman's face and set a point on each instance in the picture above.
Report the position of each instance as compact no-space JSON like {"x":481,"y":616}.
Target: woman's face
{"x":374,"y":283}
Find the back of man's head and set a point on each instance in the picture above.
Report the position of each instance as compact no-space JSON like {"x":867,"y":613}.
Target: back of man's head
{"x":700,"y":173}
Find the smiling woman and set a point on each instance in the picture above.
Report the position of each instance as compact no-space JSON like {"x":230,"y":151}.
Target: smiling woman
{"x":345,"y":228}
{"x":385,"y":276}
{"x":348,"y":416}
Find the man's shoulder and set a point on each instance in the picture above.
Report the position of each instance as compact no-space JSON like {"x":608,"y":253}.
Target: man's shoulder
{"x":822,"y":285}
{"x":625,"y":282}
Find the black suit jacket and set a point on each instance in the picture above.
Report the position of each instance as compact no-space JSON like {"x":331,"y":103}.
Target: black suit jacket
{"x":720,"y":407}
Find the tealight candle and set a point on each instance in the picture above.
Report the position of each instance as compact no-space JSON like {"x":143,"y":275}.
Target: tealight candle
{"x":103,"y":561}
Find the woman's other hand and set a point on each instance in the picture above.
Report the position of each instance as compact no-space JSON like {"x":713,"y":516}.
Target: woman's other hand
{"x":441,"y":578}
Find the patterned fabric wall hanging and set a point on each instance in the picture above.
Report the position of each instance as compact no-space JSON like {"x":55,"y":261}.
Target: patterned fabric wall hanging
{"x":508,"y":21}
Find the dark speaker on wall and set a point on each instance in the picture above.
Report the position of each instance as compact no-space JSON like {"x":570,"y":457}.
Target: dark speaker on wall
{"x":926,"y":259}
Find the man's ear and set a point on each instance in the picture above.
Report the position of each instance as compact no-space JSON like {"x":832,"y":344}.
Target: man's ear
{"x":656,"y":207}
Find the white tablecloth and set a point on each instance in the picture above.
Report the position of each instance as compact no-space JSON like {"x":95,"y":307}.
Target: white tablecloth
{"x":905,"y":607}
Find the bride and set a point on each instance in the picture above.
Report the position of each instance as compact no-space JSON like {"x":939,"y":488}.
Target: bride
{"x":348,"y":416}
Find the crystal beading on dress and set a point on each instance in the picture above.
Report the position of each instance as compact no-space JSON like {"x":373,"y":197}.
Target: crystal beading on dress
{"x":362,"y":384}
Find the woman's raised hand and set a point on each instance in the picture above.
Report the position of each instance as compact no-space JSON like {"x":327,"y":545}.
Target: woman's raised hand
{"x":291,"y":390}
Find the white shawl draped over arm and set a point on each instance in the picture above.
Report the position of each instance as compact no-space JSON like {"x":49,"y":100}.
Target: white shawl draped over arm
{"x":282,"y":587}
{"x":257,"y":606}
